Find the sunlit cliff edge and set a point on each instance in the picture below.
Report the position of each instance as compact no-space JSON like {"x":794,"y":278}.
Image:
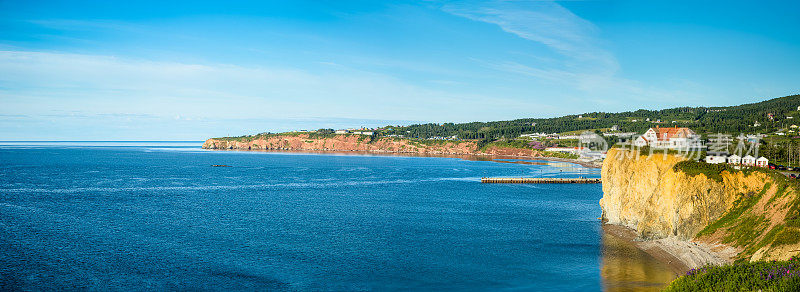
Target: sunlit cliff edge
{"x":308,"y":142}
{"x":755,"y":212}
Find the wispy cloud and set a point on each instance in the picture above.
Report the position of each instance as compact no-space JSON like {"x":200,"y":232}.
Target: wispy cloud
{"x":547,"y":23}
{"x":581,"y":60}
{"x":108,"y":93}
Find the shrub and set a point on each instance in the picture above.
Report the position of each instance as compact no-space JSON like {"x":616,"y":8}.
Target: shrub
{"x":764,"y":276}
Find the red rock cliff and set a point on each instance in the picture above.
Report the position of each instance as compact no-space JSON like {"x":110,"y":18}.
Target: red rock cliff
{"x":305,"y":142}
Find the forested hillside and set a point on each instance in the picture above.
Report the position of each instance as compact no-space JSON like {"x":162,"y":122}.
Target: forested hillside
{"x":746,"y":118}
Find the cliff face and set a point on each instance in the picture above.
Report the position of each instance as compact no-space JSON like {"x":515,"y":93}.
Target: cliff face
{"x":745,"y":210}
{"x":306,"y":142}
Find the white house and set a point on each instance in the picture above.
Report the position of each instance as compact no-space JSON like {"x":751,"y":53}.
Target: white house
{"x":748,"y":160}
{"x":762,"y":162}
{"x":640,"y":141}
{"x":341,"y":132}
{"x":669,"y":138}
{"x":734,"y":159}
{"x":715,"y":159}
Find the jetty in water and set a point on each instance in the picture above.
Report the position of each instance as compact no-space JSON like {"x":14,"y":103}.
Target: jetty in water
{"x":539,"y":180}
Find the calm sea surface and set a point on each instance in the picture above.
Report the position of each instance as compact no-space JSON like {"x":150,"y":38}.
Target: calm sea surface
{"x":155,"y":215}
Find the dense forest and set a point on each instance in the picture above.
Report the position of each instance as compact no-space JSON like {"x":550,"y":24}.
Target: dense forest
{"x":762,"y":117}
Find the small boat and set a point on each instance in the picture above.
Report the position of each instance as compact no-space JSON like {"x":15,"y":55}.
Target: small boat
{"x":220,"y":165}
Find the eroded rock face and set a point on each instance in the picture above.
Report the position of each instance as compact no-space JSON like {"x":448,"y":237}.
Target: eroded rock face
{"x":646,"y":194}
{"x":343,"y":143}
{"x":304,"y":142}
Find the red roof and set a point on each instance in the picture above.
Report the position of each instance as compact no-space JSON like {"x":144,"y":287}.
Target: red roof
{"x":665,"y":134}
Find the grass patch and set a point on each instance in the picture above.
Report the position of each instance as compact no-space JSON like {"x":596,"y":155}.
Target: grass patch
{"x":788,"y":236}
{"x":746,"y":276}
{"x":769,"y":238}
{"x":746,"y":230}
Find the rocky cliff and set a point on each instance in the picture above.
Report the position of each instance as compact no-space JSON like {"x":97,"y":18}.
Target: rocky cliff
{"x":665,"y":196}
{"x":306,"y":142}
{"x":347,"y":142}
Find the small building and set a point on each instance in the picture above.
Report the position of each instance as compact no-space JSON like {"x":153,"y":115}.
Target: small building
{"x":748,"y":160}
{"x":734,"y":159}
{"x":762,"y":162}
{"x":716,"y":159}
{"x":341,"y":132}
{"x":669,"y":138}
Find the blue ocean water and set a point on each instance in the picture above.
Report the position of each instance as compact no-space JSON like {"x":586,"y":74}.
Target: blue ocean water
{"x":158,"y":216}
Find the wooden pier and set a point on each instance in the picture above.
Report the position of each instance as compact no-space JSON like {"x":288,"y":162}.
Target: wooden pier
{"x":539,"y":180}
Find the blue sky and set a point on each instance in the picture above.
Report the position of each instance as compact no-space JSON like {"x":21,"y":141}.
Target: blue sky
{"x":150,"y":70}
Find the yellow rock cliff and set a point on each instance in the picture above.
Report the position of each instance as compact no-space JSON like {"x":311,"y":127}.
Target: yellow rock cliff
{"x":747,"y":210}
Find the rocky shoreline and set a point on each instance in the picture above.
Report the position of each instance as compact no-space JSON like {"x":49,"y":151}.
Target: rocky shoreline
{"x":681,"y":256}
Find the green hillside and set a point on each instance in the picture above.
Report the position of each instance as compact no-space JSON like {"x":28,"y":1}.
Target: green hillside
{"x":730,"y":119}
